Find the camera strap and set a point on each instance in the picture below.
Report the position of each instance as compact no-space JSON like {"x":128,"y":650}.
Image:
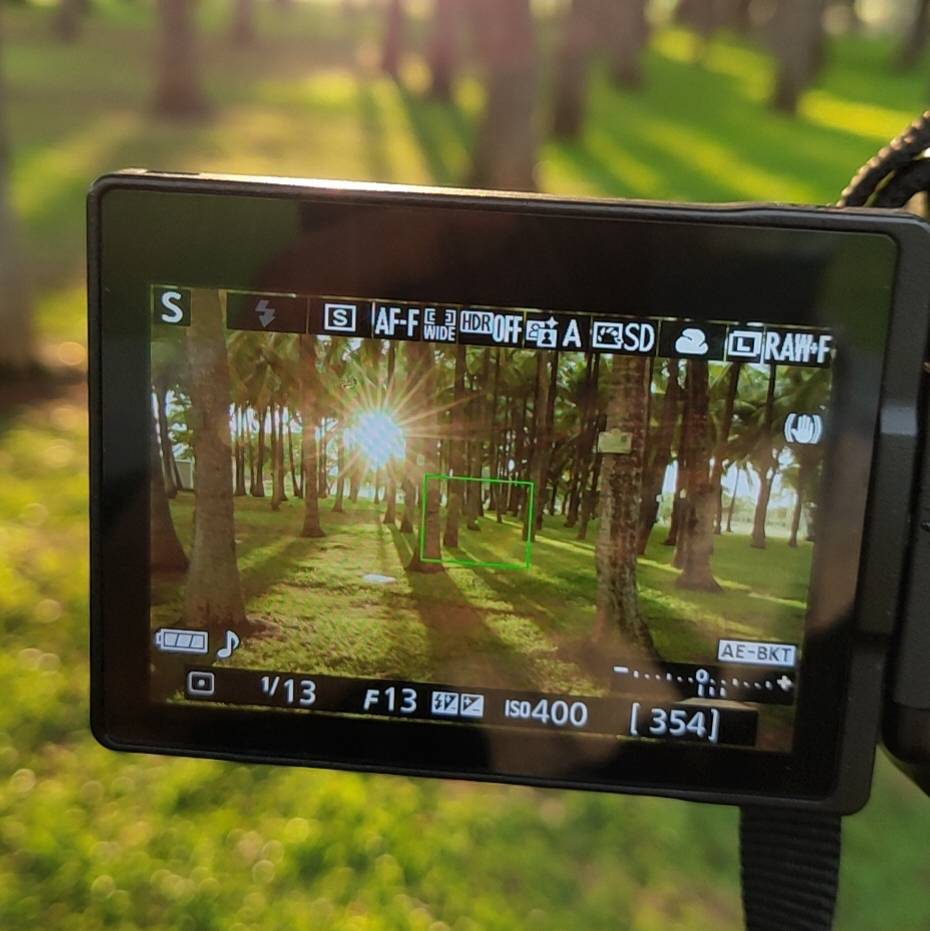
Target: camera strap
{"x":789,"y":865}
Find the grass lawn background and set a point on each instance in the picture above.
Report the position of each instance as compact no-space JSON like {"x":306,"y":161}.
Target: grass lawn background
{"x":89,"y":839}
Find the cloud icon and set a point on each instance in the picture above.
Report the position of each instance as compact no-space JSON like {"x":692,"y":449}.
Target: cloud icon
{"x":692,"y":342}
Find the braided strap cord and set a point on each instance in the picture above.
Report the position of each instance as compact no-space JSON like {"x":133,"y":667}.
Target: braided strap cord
{"x":790,"y":866}
{"x":901,"y":150}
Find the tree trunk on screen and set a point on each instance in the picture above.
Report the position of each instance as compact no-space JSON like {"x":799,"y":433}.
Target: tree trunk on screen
{"x":575,"y":482}
{"x":213,"y":596}
{"x":420,"y":356}
{"x":540,"y":442}
{"x":696,"y":534}
{"x":682,"y":471}
{"x":239,"y":454}
{"x":505,"y":147}
{"x":454,"y":495}
{"x":17,"y":348}
{"x":618,"y":612}
{"x":243,"y":23}
{"x":67,"y":21}
{"x":178,"y":88}
{"x":625,"y":36}
{"x":732,"y":506}
{"x":916,"y":37}
{"x":165,"y":550}
{"x":798,"y":43}
{"x":764,"y":461}
{"x":164,"y":439}
{"x":309,"y":418}
{"x":390,"y":492}
{"x":257,"y":489}
{"x":296,"y":480}
{"x":277,"y":457}
{"x":572,"y":64}
{"x":441,"y":52}
{"x":723,"y":438}
{"x":340,"y":472}
{"x":659,"y":458}
{"x":393,"y":46}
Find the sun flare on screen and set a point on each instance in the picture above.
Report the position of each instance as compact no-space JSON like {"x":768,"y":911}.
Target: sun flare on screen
{"x":378,"y":438}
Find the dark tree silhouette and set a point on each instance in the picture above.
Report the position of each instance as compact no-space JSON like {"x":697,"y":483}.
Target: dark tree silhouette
{"x":505,"y":149}
{"x":178,"y":91}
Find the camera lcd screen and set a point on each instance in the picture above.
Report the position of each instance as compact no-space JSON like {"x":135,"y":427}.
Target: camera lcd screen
{"x":485,"y":515}
{"x":494,"y":492}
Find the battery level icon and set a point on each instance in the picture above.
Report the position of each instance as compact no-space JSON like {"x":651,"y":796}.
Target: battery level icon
{"x":173,"y":640}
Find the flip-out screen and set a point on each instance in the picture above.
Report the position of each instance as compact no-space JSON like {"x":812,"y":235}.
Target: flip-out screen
{"x":484,"y":515}
{"x":573,"y":494}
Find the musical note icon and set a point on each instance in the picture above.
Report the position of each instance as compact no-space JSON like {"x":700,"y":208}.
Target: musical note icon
{"x":232,"y":644}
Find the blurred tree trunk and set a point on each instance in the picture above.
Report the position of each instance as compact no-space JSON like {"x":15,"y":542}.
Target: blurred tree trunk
{"x":17,"y":349}
{"x":67,"y":22}
{"x":505,"y":148}
{"x":735,"y":14}
{"x":699,"y":16}
{"x":915,"y":40}
{"x":573,"y":60}
{"x":178,"y":91}
{"x":213,"y":596}
{"x":165,"y":550}
{"x":798,"y":43}
{"x":393,"y":48}
{"x":243,"y":23}
{"x":309,"y":419}
{"x":441,"y":53}
{"x":625,"y":35}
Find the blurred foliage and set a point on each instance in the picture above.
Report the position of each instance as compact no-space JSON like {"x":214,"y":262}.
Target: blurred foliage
{"x":89,"y":839}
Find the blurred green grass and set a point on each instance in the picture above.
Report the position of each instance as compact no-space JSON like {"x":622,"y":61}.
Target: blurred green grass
{"x":90,"y":839}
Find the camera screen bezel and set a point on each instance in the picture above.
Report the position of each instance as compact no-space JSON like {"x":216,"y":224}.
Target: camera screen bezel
{"x":254,"y":234}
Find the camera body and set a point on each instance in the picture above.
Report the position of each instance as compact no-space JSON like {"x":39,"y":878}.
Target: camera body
{"x":443,"y":388}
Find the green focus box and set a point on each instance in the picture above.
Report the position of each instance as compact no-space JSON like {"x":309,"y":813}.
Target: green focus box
{"x":526,"y":545}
